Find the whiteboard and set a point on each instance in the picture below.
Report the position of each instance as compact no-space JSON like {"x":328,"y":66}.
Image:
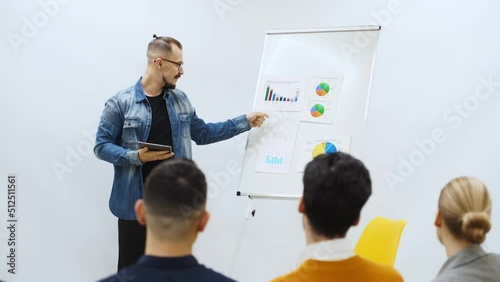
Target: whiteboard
{"x":307,"y":56}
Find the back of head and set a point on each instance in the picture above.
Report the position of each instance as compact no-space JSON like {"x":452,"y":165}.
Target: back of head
{"x":161,"y":46}
{"x":336,"y":187}
{"x":465,"y":206}
{"x":175,"y":196}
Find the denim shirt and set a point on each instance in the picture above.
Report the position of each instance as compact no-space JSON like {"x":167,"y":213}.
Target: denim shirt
{"x":127,"y":118}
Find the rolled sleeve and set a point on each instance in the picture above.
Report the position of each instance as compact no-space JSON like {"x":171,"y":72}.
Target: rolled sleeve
{"x":133,"y":157}
{"x":242,"y":124}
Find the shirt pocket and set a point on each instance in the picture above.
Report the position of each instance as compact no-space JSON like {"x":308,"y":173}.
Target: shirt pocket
{"x":185,"y":124}
{"x":130,"y":130}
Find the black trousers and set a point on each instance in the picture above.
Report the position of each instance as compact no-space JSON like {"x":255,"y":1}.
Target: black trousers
{"x":131,"y":242}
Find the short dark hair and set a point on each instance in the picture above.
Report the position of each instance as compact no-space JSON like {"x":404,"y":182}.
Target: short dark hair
{"x":162,"y":44}
{"x":175,"y":189}
{"x":336,"y":187}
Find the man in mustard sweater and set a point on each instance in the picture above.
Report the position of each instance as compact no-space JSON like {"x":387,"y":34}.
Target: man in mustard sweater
{"x":336,"y":187}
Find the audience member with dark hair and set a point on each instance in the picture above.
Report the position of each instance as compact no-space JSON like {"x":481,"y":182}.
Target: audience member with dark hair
{"x":336,"y":187}
{"x":462,"y":221}
{"x":173,"y":211}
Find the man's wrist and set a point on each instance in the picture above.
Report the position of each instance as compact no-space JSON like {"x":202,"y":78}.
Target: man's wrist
{"x":133,"y":156}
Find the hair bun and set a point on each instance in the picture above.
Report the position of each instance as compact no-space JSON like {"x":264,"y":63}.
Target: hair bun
{"x":475,"y":225}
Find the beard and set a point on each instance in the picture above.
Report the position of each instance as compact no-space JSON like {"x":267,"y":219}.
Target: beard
{"x":169,"y":85}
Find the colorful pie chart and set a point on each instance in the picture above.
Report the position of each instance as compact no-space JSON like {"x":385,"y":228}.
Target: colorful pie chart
{"x":317,"y":110}
{"x":324,"y":148}
{"x":322,"y":89}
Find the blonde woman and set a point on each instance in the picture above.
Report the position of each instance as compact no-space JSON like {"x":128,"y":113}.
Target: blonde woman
{"x":462,"y":221}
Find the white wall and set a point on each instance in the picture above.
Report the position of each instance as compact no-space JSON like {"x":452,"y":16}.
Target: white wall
{"x":431,"y":56}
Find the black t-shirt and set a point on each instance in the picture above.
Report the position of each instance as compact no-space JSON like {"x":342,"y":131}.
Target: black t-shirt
{"x":161,"y":130}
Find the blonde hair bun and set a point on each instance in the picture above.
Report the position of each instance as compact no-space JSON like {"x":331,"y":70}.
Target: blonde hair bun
{"x":465,"y":206}
{"x":475,"y":225}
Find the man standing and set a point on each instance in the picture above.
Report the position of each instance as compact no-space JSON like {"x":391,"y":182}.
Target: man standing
{"x":152,"y":110}
{"x":336,"y":187}
{"x":173,"y":210}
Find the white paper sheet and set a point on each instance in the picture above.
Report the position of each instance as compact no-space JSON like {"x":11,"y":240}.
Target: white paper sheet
{"x":322,"y":94}
{"x":277,"y":142}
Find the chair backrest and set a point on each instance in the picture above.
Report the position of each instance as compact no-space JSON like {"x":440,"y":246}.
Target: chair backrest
{"x":380,"y":240}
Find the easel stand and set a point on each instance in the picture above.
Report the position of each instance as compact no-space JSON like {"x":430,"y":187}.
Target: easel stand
{"x":250,"y":211}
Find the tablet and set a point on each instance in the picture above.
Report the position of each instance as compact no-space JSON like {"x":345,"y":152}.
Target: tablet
{"x":154,"y":147}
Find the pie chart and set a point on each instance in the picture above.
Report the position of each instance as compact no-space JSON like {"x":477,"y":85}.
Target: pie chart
{"x":322,"y":89}
{"x":324,"y":148}
{"x":317,"y":110}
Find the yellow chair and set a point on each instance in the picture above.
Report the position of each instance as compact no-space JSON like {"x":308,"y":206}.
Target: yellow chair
{"x":380,"y":240}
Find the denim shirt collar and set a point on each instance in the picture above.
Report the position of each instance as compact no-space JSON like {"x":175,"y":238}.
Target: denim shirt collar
{"x":140,"y":96}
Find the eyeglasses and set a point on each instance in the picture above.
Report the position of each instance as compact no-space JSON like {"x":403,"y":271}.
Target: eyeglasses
{"x":179,"y":65}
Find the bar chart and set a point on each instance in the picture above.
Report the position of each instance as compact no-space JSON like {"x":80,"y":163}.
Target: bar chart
{"x":274,"y":160}
{"x":280,"y":94}
{"x":272,"y":96}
